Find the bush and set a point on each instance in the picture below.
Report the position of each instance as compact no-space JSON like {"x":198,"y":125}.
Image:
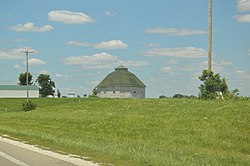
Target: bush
{"x":28,"y":106}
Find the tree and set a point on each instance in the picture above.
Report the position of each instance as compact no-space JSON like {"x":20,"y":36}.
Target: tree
{"x":94,"y":92}
{"x":180,"y":96}
{"x":236,"y":92}
{"x":213,"y":86}
{"x":22,"y":79}
{"x":46,"y":85}
{"x":58,"y":93}
{"x":184,"y":96}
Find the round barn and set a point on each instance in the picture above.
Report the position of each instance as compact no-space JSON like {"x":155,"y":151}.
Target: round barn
{"x":121,"y":84}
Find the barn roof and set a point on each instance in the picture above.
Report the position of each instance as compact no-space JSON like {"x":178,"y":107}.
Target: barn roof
{"x":18,"y":87}
{"x":121,"y":77}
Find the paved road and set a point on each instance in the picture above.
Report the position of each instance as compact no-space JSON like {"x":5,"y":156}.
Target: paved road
{"x":13,"y":153}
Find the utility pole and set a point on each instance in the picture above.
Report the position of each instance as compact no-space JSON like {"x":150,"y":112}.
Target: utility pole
{"x":209,"y":36}
{"x":27,"y":71}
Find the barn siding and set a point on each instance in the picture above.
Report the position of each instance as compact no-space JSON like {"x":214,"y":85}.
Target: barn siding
{"x":121,"y":92}
{"x":18,"y":93}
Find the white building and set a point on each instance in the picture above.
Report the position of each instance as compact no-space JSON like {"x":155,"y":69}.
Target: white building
{"x":121,"y":84}
{"x":18,"y":91}
{"x":71,"y":94}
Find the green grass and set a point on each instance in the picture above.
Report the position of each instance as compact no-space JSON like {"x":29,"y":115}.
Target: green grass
{"x":136,"y":131}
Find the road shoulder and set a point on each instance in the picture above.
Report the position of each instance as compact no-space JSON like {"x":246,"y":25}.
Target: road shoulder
{"x":66,"y":158}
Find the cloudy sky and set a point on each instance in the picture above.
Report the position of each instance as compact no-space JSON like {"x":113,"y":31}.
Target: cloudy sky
{"x":163,"y":42}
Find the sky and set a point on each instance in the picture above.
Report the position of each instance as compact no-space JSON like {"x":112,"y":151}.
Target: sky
{"x":164,"y":42}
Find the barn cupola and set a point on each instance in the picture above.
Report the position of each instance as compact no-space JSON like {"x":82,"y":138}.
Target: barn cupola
{"x":121,"y":67}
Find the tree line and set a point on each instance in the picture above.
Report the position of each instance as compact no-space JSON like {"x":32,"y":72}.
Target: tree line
{"x":213,"y":87}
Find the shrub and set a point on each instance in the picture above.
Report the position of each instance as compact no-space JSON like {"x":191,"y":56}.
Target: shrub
{"x":28,"y":106}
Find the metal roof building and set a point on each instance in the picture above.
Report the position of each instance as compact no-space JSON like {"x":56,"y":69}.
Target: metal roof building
{"x":121,"y":84}
{"x":18,"y":91}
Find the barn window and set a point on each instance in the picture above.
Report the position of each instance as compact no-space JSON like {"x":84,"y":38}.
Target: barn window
{"x":134,"y":91}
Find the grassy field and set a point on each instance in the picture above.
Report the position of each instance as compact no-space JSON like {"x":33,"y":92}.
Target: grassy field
{"x":136,"y":131}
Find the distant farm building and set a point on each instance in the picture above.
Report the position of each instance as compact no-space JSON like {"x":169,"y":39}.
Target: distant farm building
{"x":121,"y":84}
{"x":18,"y":91}
{"x":71,"y":94}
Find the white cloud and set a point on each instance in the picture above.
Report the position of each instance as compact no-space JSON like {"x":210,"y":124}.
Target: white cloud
{"x":15,"y":53}
{"x":217,"y":66}
{"x":244,"y":5}
{"x":195,"y":67}
{"x":19,"y":40}
{"x":175,"y":31}
{"x":18,"y":67}
{"x":95,"y":59}
{"x":100,"y":60}
{"x":44,"y":72}
{"x":172,"y":61}
{"x":63,"y":77}
{"x":80,"y":44}
{"x":68,"y":17}
{"x":152,"y":44}
{"x":167,"y":69}
{"x":34,"y":61}
{"x":240,"y":71}
{"x":108,"y":13}
{"x":243,"y":75}
{"x":243,"y":18}
{"x":58,"y":75}
{"x":133,"y":63}
{"x":109,"y":45}
{"x":184,"y":52}
{"x":30,"y":27}
{"x":112,"y":45}
{"x":94,"y":83}
{"x":223,"y":63}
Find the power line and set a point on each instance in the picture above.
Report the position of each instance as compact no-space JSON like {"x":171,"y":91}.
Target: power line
{"x":104,"y":21}
{"x":157,"y":17}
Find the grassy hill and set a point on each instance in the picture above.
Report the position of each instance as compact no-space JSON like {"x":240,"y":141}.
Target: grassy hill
{"x":136,"y":131}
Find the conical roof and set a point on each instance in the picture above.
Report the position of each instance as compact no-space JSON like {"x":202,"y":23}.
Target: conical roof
{"x":121,"y":77}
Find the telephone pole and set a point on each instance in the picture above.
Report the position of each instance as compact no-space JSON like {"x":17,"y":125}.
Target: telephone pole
{"x":27,"y":71}
{"x":209,"y":35}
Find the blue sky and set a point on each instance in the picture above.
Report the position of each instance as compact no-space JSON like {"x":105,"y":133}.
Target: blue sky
{"x":163,"y":42}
